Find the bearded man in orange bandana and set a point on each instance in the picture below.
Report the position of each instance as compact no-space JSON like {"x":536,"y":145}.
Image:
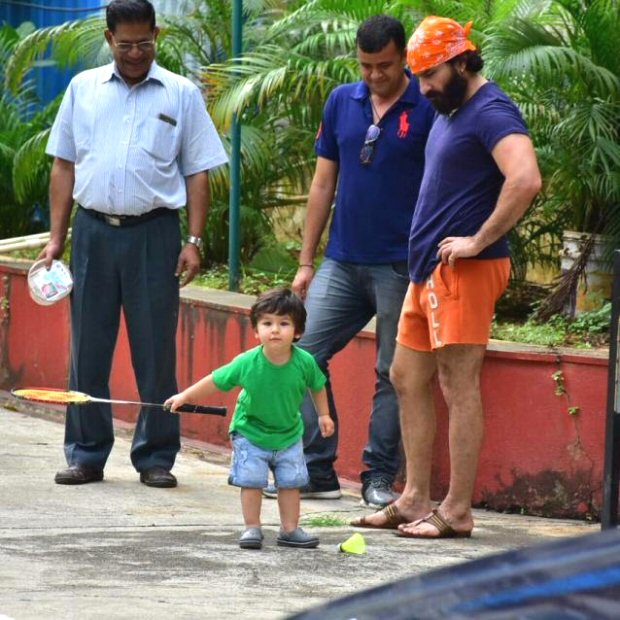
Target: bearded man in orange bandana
{"x":480,"y":177}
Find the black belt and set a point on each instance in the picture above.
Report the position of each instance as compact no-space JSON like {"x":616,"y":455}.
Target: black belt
{"x":126,"y":220}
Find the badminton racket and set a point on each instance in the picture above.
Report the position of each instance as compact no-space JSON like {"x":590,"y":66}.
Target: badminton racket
{"x":71,"y":397}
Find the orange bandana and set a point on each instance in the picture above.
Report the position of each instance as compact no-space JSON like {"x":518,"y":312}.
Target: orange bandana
{"x":437,"y":40}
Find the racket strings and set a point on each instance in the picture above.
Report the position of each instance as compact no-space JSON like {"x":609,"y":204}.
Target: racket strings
{"x":51,"y":395}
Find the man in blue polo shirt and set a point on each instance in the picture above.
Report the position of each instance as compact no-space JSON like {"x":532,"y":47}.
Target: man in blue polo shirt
{"x":370,"y":149}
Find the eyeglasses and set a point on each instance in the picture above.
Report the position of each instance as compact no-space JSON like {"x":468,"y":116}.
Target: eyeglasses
{"x":368,"y":150}
{"x":143,"y":46}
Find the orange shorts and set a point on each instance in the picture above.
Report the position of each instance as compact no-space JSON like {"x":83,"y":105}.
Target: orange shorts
{"x":454,"y":306}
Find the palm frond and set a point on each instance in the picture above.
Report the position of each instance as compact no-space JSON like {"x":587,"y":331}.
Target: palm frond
{"x":587,"y":121}
{"x":328,"y":43}
{"x":316,"y":14}
{"x":72,"y":43}
{"x":524,"y":47}
{"x":274,"y":73}
{"x":30,"y":166}
{"x":597,"y":24}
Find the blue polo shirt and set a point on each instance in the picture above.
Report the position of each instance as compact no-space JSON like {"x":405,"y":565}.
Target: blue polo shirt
{"x":462,"y":182}
{"x":374,"y":202}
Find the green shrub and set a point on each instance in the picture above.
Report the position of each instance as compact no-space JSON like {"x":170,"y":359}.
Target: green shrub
{"x":586,"y":330}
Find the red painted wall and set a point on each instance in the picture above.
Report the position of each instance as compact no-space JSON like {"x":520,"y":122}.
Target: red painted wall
{"x":535,"y":456}
{"x":34,"y":340}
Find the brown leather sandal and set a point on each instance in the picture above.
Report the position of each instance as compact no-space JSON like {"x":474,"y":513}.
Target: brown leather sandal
{"x":444,"y":529}
{"x":393,"y":519}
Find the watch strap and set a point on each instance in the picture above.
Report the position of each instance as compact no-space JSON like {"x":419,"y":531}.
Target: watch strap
{"x":197,"y":241}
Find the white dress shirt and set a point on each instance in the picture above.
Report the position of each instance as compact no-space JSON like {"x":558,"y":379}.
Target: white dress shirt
{"x":133,"y":146}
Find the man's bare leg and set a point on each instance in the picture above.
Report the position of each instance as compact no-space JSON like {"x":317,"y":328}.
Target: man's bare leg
{"x":412,"y":375}
{"x":459,"y":369}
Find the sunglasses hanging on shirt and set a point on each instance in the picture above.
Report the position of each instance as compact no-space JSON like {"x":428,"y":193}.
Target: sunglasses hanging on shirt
{"x":372,"y":135}
{"x":368,"y":148}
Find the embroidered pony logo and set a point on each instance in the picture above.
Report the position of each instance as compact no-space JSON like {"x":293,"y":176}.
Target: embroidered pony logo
{"x":403,"y":125}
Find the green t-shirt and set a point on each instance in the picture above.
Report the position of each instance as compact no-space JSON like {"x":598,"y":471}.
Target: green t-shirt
{"x":267,"y":411}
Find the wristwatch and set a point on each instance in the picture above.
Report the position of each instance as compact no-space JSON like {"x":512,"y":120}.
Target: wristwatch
{"x":197,"y":241}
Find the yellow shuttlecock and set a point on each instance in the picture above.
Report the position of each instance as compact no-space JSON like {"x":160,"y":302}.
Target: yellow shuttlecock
{"x":355,"y":544}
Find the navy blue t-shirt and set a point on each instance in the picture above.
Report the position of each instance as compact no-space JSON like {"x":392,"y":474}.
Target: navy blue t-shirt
{"x":374,"y":202}
{"x":461,"y":181}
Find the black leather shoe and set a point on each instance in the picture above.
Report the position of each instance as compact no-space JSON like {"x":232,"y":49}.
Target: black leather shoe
{"x":158,"y":477}
{"x":78,"y":474}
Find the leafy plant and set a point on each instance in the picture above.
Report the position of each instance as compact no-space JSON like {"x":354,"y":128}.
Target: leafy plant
{"x":23,"y":166}
{"x":252,"y":282}
{"x":587,"y":330}
{"x":560,"y":387}
{"x":559,"y":60}
{"x":595,"y":321}
{"x":530,"y":333}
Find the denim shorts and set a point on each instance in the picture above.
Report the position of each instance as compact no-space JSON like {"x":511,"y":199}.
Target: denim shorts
{"x":250,"y":465}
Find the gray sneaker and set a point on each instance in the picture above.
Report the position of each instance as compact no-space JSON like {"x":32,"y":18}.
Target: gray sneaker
{"x":310,"y":491}
{"x":271,"y":491}
{"x":377,"y":492}
{"x":297,"y":538}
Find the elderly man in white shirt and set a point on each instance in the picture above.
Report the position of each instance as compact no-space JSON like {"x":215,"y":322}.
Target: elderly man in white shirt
{"x":132,"y":144}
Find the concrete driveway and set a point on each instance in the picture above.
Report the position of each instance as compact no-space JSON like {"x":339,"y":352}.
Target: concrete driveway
{"x":118,"y":549}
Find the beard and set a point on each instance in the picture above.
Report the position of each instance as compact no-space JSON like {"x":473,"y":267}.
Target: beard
{"x":452,"y":95}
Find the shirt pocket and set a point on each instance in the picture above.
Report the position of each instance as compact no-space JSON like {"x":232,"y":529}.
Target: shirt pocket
{"x":159,"y":138}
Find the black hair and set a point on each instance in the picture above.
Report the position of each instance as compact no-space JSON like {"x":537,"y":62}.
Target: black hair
{"x":472,"y":59}
{"x":377,"y":31}
{"x":280,"y":301}
{"x":129,"y":12}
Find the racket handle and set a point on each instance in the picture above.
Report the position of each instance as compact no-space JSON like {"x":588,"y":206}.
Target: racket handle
{"x":187,"y":408}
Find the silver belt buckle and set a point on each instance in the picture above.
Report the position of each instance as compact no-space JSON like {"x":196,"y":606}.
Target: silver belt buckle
{"x":113,"y":220}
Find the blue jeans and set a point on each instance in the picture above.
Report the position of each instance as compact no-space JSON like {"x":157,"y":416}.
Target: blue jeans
{"x":341,"y":299}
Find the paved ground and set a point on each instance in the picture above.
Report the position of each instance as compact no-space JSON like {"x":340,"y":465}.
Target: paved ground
{"x":118,"y":549}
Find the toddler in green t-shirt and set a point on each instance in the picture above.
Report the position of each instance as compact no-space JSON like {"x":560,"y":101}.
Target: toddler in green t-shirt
{"x":267,"y":427}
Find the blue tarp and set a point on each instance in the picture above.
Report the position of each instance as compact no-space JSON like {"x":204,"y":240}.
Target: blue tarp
{"x":576,"y":579}
{"x":50,"y":81}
